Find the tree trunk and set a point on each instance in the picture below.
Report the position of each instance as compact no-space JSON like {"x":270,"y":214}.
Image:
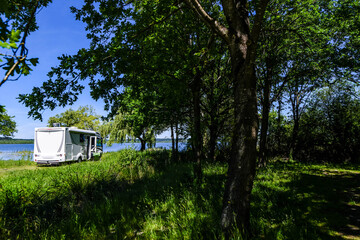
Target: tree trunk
{"x":279,"y":132}
{"x":143,"y":142}
{"x":263,"y":154}
{"x":295,"y":131}
{"x":212,"y":143}
{"x":196,"y":134}
{"x":172,"y":142}
{"x":213,"y":123}
{"x":296,"y":119}
{"x":177,"y":138}
{"x":176,"y":141}
{"x":241,"y":172}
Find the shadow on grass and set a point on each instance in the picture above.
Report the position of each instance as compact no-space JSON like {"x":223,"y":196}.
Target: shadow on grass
{"x":313,"y":204}
{"x":112,"y":208}
{"x":309,"y":203}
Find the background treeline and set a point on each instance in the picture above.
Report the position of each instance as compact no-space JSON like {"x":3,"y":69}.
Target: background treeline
{"x":327,"y":131}
{"x":16,"y":141}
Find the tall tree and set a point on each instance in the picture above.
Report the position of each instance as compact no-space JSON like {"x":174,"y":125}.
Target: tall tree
{"x":7,"y":124}
{"x":135,"y":119}
{"x":241,"y":39}
{"x":84,"y":118}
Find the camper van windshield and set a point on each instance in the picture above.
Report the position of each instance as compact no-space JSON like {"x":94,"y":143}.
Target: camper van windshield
{"x":49,"y":141}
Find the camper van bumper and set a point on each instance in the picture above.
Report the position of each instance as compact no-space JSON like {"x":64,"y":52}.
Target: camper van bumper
{"x":48,"y":162}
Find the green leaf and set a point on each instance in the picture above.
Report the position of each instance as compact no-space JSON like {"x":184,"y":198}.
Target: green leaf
{"x":34,"y":61}
{"x":4,"y":45}
{"x":12,"y":45}
{"x":15,"y":36}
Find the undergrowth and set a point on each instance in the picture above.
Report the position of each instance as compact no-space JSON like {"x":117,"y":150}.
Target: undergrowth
{"x":142,"y":195}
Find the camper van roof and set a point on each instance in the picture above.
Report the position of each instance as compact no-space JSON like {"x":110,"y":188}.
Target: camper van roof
{"x":71,"y":129}
{"x":48,"y":128}
{"x":78,"y":130}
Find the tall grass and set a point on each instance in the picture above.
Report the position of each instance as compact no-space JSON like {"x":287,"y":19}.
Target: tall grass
{"x":36,"y":202}
{"x":141,"y":195}
{"x":15,"y":163}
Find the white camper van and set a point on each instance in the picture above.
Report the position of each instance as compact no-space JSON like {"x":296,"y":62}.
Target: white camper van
{"x":55,"y":145}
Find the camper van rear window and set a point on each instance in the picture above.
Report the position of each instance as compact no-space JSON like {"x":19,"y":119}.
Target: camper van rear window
{"x":82,"y":138}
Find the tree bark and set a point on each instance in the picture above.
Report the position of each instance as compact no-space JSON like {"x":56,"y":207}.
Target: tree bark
{"x":213,"y":127}
{"x":143,"y":145}
{"x":196,"y":135}
{"x":263,"y":153}
{"x":142,"y":142}
{"x":241,"y":172}
{"x":241,"y":43}
{"x":177,"y":138}
{"x":176,"y":142}
{"x":296,"y":118}
{"x":172,"y":142}
{"x":279,"y":132}
{"x":212,"y":142}
{"x":295,"y":131}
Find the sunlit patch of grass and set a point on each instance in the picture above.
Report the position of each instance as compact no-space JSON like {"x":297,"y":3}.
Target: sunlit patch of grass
{"x":303,"y":201}
{"x":15,"y":163}
{"x":7,"y":171}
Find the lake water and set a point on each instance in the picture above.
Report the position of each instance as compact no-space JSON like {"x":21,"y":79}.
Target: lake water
{"x":11,"y":151}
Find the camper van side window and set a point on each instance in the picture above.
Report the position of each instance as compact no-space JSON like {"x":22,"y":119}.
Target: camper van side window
{"x":82,"y":138}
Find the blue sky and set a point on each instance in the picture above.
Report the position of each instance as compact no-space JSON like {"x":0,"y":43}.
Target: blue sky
{"x":58,"y":33}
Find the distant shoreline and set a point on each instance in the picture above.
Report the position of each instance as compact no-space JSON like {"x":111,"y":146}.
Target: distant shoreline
{"x":16,"y":141}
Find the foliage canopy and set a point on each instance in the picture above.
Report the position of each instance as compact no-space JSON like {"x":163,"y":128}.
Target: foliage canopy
{"x":7,"y":124}
{"x":84,"y":118}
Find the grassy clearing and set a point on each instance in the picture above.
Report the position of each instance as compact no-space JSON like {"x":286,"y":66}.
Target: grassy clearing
{"x":9,"y":166}
{"x":300,"y":201}
{"x":136,"y":195}
{"x":15,"y":163}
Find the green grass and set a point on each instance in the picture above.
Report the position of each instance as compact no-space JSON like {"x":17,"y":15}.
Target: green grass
{"x":141,"y":195}
{"x":7,"y":167}
{"x":307,"y":201}
{"x":15,"y":163}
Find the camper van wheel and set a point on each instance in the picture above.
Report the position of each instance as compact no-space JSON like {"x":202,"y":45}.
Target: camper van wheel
{"x":79,"y":160}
